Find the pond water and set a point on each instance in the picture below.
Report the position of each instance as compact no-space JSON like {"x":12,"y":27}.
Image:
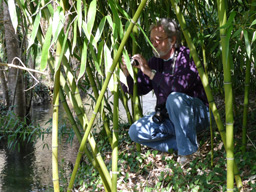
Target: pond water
{"x":29,"y":170}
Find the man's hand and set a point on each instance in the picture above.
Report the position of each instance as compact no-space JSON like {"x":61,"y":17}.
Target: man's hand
{"x":143,"y":65}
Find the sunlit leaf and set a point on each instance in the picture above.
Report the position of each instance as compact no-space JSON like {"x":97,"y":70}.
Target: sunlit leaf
{"x":74,"y":35}
{"x":58,"y":23}
{"x":128,"y":62}
{"x":95,"y":59}
{"x":253,"y":23}
{"x":91,"y":17}
{"x":34,"y":30}
{"x":108,"y":62}
{"x":45,"y":49}
{"x":253,"y":37}
{"x":79,"y":15}
{"x":64,"y":46}
{"x":83,"y":60}
{"x":99,"y":32}
{"x":247,"y":44}
{"x":100,"y":54}
{"x":13,"y":14}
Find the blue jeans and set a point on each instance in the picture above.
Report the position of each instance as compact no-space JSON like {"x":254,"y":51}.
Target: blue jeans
{"x":188,"y":115}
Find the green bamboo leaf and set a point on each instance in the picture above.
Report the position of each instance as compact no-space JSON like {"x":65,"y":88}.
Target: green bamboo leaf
{"x":64,"y":46}
{"x":121,"y":10}
{"x":100,"y":53}
{"x":110,"y":22}
{"x":99,"y":32}
{"x":108,"y":62}
{"x":117,"y":20}
{"x":91,"y":17}
{"x":13,"y":14}
{"x":50,"y":9}
{"x":147,"y":39}
{"x":247,"y":43}
{"x":84,"y":27}
{"x":74,"y":35}
{"x":79,"y":15}
{"x":128,"y":62}
{"x":34,"y":30}
{"x":95,"y":59}
{"x":253,"y":37}
{"x":230,"y":20}
{"x":58,"y":23}
{"x":83,"y":60}
{"x":253,"y":23}
{"x":45,"y":49}
{"x":237,"y":33}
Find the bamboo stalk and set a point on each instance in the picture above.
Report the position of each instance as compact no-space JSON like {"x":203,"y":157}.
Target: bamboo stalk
{"x":115,"y":136}
{"x":75,"y":98}
{"x":246,"y":103}
{"x":228,"y":95}
{"x":246,"y":95}
{"x":83,"y":120}
{"x":55,"y":118}
{"x":206,"y":85}
{"x":96,"y":94}
{"x":206,"y":72}
{"x":135,"y":99}
{"x":124,"y":101}
{"x":104,"y":87}
{"x":105,"y":177}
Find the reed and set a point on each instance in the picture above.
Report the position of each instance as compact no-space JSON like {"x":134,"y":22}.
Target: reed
{"x":104,"y":87}
{"x":207,"y":88}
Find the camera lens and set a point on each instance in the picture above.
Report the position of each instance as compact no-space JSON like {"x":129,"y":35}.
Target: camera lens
{"x":134,"y":62}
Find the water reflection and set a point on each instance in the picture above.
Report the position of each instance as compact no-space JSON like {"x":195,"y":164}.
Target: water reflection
{"x":30,"y":169}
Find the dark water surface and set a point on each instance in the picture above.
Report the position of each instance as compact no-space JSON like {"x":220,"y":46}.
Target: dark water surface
{"x":30,"y":169}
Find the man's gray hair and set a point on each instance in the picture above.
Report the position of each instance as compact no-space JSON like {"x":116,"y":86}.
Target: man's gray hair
{"x":170,"y":28}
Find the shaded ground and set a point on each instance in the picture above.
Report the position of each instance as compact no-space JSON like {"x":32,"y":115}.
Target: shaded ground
{"x":151,"y":170}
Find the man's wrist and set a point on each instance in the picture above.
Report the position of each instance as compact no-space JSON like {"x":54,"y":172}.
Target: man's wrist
{"x":152,"y":75}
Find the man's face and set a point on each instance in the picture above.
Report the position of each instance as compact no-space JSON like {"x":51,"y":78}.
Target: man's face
{"x":161,"y":42}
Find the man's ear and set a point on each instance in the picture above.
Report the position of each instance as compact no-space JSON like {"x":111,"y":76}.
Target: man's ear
{"x":174,"y":40}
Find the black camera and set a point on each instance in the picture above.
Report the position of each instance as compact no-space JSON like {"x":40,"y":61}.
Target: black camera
{"x":160,"y":114}
{"x":134,"y":62}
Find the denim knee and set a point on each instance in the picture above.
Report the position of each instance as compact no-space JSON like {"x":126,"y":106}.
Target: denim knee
{"x":133,"y":133}
{"x":173,"y":102}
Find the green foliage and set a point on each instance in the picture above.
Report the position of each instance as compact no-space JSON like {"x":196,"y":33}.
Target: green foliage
{"x":90,"y":33}
{"x":16,"y":131}
{"x":154,"y":171}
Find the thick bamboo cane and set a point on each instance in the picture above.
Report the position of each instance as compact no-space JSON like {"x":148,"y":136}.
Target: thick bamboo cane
{"x":228,"y":95}
{"x":76,"y":130}
{"x":98,"y":103}
{"x":115,"y":136}
{"x":83,"y":120}
{"x":205,"y":84}
{"x":55,"y":119}
{"x":135,"y":99}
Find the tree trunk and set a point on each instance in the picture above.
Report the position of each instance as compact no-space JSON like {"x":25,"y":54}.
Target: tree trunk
{"x":15,"y":76}
{"x":4,"y":88}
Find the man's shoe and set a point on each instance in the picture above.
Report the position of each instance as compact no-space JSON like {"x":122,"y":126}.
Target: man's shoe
{"x":185,"y":159}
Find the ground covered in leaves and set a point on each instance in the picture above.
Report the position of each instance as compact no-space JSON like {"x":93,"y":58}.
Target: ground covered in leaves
{"x":151,"y":170}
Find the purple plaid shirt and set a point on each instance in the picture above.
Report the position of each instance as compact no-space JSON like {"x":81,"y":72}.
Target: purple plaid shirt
{"x":184,"y":78}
